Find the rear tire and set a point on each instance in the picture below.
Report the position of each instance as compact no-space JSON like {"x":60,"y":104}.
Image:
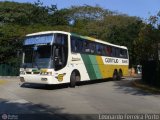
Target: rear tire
{"x":120,"y":74}
{"x":115,"y":75}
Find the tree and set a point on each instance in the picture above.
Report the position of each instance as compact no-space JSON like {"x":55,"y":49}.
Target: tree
{"x":19,"y":19}
{"x":149,"y":37}
{"x":25,"y":13}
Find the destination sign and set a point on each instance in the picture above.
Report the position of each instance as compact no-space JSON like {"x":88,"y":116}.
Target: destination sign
{"x":40,"y":39}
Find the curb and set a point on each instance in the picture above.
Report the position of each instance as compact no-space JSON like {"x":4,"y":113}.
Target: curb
{"x":145,"y":87}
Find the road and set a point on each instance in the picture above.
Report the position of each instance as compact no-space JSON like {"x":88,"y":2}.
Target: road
{"x":62,"y":102}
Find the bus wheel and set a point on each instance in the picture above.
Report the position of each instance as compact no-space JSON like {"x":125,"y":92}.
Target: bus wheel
{"x":115,"y":75}
{"x":75,"y":76}
{"x":120,"y":74}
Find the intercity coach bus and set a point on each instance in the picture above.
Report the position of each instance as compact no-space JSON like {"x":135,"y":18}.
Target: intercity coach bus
{"x":56,"y":57}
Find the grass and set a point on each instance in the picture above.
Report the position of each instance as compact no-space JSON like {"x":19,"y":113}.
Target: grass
{"x":143,"y":86}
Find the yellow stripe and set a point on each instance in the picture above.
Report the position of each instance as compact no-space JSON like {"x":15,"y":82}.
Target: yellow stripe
{"x":90,"y":38}
{"x":107,"y":70}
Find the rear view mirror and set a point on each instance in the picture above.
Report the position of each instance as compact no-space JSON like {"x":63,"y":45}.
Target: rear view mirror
{"x":57,"y":52}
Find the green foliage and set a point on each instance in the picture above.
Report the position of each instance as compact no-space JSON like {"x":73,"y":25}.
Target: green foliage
{"x":60,"y":17}
{"x":25,"y":13}
{"x":19,"y":19}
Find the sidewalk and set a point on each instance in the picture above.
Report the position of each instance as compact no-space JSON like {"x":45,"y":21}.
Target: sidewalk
{"x":9,"y":77}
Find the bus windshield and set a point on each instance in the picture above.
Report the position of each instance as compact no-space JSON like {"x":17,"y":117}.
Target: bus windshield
{"x":37,"y":56}
{"x":45,"y":51}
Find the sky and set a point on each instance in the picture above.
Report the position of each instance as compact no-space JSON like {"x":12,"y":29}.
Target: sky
{"x":140,"y":8}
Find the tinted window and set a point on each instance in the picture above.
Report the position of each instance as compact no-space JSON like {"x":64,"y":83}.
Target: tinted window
{"x":113,"y":52}
{"x":89,"y":47}
{"x":76,"y":44}
{"x":79,"y":44}
{"x":73,"y":45}
{"x":123,"y":53}
{"x":92,"y":47}
{"x":108,"y":50}
{"x":117,"y":52}
{"x":103,"y":50}
{"x":86,"y":47}
{"x":61,"y":39}
{"x":98,"y":49}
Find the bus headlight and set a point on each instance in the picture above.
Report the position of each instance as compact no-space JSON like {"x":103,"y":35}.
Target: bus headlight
{"x":44,"y":73}
{"x":49,"y":73}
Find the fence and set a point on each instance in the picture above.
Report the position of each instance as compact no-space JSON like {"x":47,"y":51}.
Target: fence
{"x":8,"y":69}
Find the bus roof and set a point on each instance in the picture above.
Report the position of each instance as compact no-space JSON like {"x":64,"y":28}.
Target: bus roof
{"x":46,"y":32}
{"x":97,"y":40}
{"x":76,"y":35}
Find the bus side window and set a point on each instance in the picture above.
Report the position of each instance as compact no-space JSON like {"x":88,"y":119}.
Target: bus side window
{"x":76,"y":45}
{"x":108,"y":51}
{"x":73,"y":45}
{"x":113,"y":52}
{"x":117,"y":52}
{"x":86,"y":47}
{"x":79,"y":45}
{"x":92,"y":47}
{"x":123,"y":53}
{"x":99,"y":49}
{"x":103,"y":50}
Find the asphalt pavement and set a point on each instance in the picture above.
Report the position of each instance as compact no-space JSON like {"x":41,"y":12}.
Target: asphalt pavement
{"x":84,"y":101}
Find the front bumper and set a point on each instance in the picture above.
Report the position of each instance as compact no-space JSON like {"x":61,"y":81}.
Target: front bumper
{"x":40,"y":79}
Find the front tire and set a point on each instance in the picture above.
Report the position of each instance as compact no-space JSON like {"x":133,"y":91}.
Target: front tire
{"x":75,"y":76}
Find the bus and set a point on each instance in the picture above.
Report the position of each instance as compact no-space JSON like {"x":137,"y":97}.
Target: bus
{"x":56,"y":57}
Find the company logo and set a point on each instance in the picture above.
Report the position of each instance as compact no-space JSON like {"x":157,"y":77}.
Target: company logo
{"x":4,"y":116}
{"x":9,"y":117}
{"x":111,"y":60}
{"x":60,"y":77}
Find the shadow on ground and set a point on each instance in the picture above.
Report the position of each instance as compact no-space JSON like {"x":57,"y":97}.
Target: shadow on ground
{"x":30,"y":111}
{"x":126,"y":86}
{"x":44,"y":87}
{"x":123,"y":85}
{"x":61,"y":86}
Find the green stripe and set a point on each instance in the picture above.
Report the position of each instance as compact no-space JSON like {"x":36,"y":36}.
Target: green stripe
{"x":95,"y":66}
{"x":89,"y":66}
